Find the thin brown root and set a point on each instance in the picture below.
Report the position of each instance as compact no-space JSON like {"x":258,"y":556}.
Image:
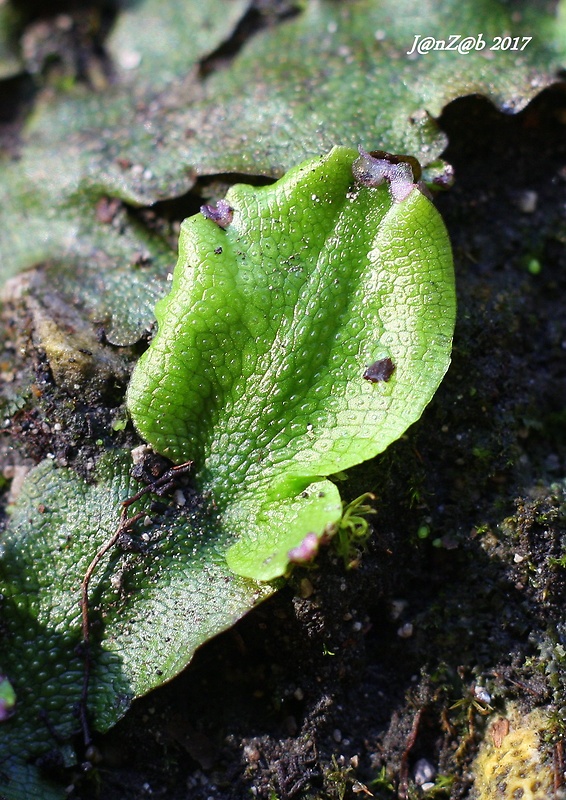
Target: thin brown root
{"x":403,"y":789}
{"x":160,"y":486}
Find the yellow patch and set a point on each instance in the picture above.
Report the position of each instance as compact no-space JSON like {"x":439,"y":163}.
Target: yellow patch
{"x":512,"y":761}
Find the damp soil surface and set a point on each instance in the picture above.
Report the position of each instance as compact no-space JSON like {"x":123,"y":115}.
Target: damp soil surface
{"x":358,"y":680}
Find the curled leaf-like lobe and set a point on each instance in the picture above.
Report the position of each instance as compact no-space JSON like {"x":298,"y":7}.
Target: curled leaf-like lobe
{"x":254,"y":373}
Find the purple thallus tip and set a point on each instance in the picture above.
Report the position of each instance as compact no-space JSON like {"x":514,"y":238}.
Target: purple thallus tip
{"x":6,"y":710}
{"x":445,"y":180}
{"x":379,"y":371}
{"x":371,"y":171}
{"x":368,"y":170}
{"x":305,"y":551}
{"x":222,"y":213}
{"x":401,"y":181}
{"x":7,"y":699}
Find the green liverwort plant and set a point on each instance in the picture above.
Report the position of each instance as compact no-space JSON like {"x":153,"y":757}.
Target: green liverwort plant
{"x":309,"y":324}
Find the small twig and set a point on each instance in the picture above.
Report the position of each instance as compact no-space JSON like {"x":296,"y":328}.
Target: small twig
{"x":160,"y":486}
{"x":403,"y":790}
{"x":525,"y":687}
{"x":45,"y":718}
{"x":558,"y":767}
